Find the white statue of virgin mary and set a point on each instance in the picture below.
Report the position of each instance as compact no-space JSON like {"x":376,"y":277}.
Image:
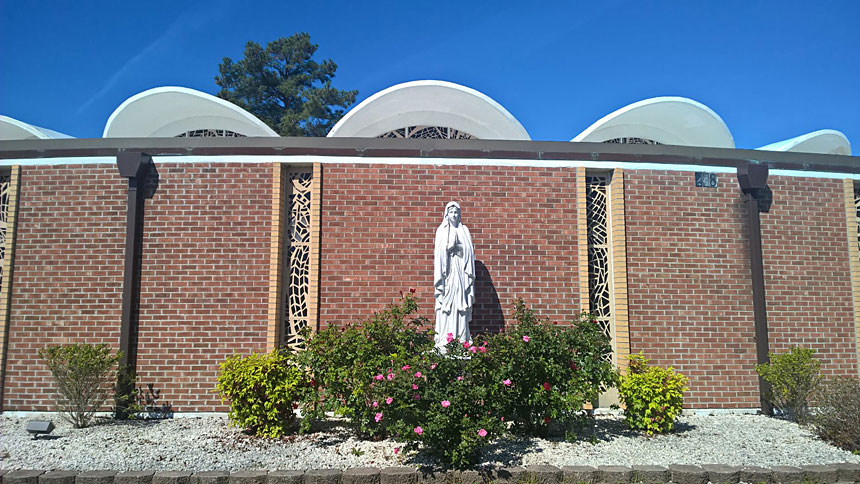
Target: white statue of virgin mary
{"x":453,"y":277}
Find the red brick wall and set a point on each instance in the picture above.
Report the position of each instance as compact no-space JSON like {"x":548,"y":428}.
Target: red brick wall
{"x":379,"y":221}
{"x":204,"y":286}
{"x":67,"y":282}
{"x":688,"y":275}
{"x":807,"y":274}
{"x":204,"y":281}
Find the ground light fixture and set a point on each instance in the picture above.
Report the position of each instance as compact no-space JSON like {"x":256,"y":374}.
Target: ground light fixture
{"x":40,"y":427}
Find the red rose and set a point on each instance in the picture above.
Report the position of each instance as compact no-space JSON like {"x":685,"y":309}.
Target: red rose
{"x":546,"y":386}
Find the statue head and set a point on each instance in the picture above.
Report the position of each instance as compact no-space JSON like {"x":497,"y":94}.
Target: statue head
{"x":452,"y":213}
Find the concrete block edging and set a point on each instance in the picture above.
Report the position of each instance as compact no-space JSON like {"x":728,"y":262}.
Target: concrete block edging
{"x":538,"y":474}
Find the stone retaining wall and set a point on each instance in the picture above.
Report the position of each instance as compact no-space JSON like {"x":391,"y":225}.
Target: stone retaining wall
{"x":538,"y":474}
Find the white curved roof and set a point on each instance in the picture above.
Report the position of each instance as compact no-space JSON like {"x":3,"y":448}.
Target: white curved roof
{"x":12,"y":129}
{"x":823,"y":141}
{"x":170,"y":111}
{"x":430,"y":103}
{"x":667,"y":120}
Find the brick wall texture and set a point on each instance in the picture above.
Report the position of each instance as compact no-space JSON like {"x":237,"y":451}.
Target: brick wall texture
{"x":379,"y":221}
{"x":206,"y":259}
{"x":689,"y":284}
{"x":204,"y":281}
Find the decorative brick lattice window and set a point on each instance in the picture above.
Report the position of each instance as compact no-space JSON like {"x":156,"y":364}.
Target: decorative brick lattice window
{"x":599,"y":267}
{"x":298,"y":257}
{"x":427,"y":132}
{"x":5,"y":185}
{"x":210,"y":133}
{"x":632,"y":141}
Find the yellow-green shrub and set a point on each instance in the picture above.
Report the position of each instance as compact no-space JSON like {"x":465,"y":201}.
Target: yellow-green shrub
{"x":263,"y":390}
{"x":653,"y":397}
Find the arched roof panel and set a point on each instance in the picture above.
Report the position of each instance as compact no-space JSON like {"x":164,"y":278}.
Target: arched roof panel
{"x":171,"y":111}
{"x":13,"y":129}
{"x":667,"y":120}
{"x":823,"y":141}
{"x":430,"y":103}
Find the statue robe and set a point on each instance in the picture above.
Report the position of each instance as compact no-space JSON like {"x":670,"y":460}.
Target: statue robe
{"x":454,"y":282}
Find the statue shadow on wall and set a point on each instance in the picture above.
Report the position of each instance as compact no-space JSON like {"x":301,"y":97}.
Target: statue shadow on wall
{"x":487,"y":316}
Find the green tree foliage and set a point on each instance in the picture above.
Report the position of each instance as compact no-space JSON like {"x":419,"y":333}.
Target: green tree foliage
{"x":284,"y":87}
{"x":83,"y":374}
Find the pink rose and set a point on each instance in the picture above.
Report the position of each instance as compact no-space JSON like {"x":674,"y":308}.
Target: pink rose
{"x":396,"y":450}
{"x":378,"y":417}
{"x":390,"y":376}
{"x":433,"y":366}
{"x":526,"y":339}
{"x":482,"y":349}
{"x":466,"y":345}
{"x":446,"y":403}
{"x":507,"y":382}
{"x":405,"y":367}
{"x":388,"y":400}
{"x":416,"y":396}
{"x":473,"y":349}
{"x":379,"y":377}
{"x":450,"y":337}
{"x":375,"y":404}
{"x":459,"y":378}
{"x":417,"y":374}
{"x":482,"y":433}
{"x":414,"y":386}
{"x":419,"y":430}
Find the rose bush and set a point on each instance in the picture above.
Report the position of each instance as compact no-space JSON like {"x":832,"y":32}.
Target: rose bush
{"x":551,"y":370}
{"x":385,"y":375}
{"x":345,"y":363}
{"x":451,"y":404}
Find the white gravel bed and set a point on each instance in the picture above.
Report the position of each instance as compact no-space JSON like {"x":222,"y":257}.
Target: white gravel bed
{"x":209,"y":443}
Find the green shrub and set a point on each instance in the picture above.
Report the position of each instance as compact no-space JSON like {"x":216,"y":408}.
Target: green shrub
{"x":343,"y":362}
{"x":793,"y":378}
{"x":449,"y":404}
{"x":387,"y":377}
{"x":552,"y":370}
{"x":84,"y":375}
{"x":263,"y":390}
{"x":837,"y":419}
{"x":653,"y":397}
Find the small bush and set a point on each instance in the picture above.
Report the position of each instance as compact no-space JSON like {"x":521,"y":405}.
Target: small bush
{"x":84,"y":375}
{"x":552,"y":370}
{"x":262,"y":389}
{"x":793,"y":378}
{"x":838,"y":417}
{"x":653,"y":397}
{"x":343,"y":362}
{"x":449,"y":404}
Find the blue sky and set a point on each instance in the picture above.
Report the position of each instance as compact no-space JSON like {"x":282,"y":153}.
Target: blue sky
{"x":771,"y":70}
